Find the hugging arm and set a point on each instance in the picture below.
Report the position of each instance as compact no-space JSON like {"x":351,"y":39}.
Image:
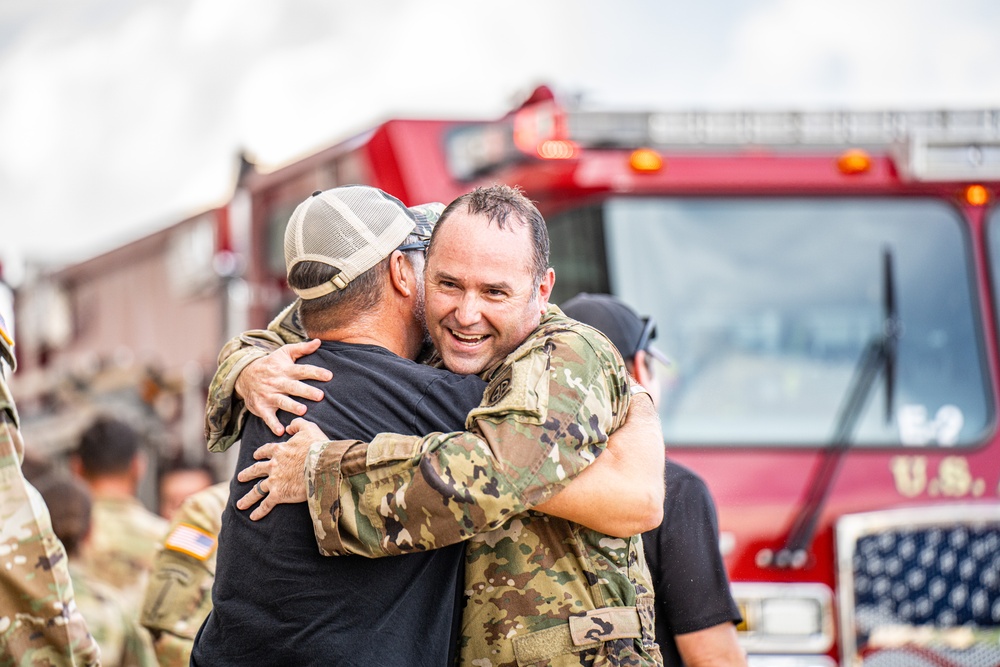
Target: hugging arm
{"x":535,"y":431}
{"x":622,"y":493}
{"x":619,"y":494}
{"x":257,"y":373}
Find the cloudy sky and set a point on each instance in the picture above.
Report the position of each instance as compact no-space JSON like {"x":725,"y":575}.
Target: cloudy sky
{"x":120,"y":117}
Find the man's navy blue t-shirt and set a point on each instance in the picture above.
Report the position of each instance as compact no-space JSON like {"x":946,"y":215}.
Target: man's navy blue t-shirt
{"x":277,"y":601}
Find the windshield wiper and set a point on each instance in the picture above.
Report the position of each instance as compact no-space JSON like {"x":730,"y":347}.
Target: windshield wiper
{"x":879,"y":356}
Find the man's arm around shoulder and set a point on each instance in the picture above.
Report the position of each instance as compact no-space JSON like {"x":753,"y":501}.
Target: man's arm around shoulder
{"x":621,"y":494}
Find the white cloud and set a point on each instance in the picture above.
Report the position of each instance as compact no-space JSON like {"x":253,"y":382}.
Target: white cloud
{"x":866,"y":53}
{"x":121,"y":116}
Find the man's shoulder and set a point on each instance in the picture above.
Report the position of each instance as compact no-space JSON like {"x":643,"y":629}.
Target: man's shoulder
{"x":564,"y":342}
{"x":337,"y":352}
{"x":682,"y":478}
{"x":688,"y":500}
{"x":129,"y":514}
{"x":204,"y":508}
{"x":562,"y":362}
{"x":570,"y":335}
{"x":374,"y":361}
{"x":89,"y":589}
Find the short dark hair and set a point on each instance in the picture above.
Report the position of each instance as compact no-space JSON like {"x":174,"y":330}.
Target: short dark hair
{"x":69,"y":506}
{"x":336,"y":309}
{"x":339,"y":307}
{"x":181,"y":464}
{"x":505,"y":205}
{"x":107,"y":447}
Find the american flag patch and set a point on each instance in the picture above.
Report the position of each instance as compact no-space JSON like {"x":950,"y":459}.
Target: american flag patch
{"x":191,"y":541}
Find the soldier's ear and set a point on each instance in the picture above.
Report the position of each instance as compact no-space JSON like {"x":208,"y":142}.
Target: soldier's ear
{"x":402,"y":274}
{"x":545,"y":289}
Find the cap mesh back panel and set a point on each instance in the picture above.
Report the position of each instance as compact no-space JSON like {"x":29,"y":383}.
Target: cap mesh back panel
{"x":326,"y":233}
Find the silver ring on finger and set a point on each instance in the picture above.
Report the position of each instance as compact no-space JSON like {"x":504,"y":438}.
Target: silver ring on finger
{"x":257,"y":487}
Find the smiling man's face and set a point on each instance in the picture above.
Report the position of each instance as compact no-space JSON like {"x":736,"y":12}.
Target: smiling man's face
{"x":481,"y":299}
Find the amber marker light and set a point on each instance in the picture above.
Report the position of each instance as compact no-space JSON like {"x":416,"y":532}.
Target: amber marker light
{"x":645,"y":159}
{"x":977,"y":195}
{"x":854,"y":161}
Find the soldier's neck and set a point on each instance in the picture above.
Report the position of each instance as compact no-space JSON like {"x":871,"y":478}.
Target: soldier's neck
{"x":391,"y":337}
{"x":119,"y":488}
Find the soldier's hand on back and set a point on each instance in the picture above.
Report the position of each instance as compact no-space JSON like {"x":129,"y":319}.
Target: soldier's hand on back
{"x":269,"y":383}
{"x":281,"y":465}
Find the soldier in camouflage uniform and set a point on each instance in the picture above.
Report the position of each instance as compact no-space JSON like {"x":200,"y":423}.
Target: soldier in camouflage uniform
{"x":39,"y":621}
{"x":123,"y":642}
{"x":125,"y":535}
{"x":179,"y":595}
{"x":540,"y":590}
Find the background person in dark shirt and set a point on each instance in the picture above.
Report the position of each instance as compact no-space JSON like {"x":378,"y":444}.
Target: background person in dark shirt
{"x":276,"y":600}
{"x":695,"y":610}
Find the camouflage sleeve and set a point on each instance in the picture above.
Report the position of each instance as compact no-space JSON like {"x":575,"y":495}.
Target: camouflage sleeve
{"x":39,"y":620}
{"x":137,"y":647}
{"x":179,"y":595}
{"x":224,"y":411}
{"x":545,"y":416}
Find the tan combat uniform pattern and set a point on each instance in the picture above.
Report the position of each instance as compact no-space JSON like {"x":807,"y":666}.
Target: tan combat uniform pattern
{"x":123,"y":643}
{"x":224,"y":412}
{"x":540,"y":590}
{"x":123,"y":540}
{"x":179,"y":596}
{"x":39,"y":621}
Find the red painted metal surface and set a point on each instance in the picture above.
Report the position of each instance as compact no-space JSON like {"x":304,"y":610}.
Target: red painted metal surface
{"x":758,"y":489}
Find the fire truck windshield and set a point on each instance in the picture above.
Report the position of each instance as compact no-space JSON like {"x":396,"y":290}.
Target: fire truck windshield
{"x":766,"y":305}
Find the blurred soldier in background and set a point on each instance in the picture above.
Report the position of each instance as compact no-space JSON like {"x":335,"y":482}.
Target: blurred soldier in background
{"x":123,"y":643}
{"x":39,"y":621}
{"x":695,"y":610}
{"x":178,"y":481}
{"x":179,"y":595}
{"x":125,"y":535}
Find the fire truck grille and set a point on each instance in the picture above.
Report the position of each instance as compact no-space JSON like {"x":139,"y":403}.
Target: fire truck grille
{"x":921,"y":588}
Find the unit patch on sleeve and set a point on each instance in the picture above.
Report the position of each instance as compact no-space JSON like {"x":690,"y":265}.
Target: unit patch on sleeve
{"x":498,"y":387}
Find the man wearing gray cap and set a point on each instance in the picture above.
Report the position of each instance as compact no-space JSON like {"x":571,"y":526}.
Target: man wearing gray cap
{"x":537,"y":588}
{"x":276,"y":600}
{"x":695,"y":610}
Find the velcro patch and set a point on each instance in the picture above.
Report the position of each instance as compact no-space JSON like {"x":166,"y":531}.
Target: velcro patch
{"x":192,"y":541}
{"x":498,"y":387}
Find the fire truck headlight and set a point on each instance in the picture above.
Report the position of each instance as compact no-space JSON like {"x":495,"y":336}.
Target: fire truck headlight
{"x":785,"y":618}
{"x":791,"y":616}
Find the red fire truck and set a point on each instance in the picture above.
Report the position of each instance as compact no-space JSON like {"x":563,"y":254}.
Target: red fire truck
{"x":826,"y":285}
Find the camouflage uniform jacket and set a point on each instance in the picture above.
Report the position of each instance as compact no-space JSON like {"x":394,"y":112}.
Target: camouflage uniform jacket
{"x":224,"y":412}
{"x":179,"y":596}
{"x":539,"y":590}
{"x":39,"y":621}
{"x":123,"y":643}
{"x":123,"y":540}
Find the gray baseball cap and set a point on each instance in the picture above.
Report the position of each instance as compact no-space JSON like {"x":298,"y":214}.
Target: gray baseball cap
{"x":351,"y":228}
